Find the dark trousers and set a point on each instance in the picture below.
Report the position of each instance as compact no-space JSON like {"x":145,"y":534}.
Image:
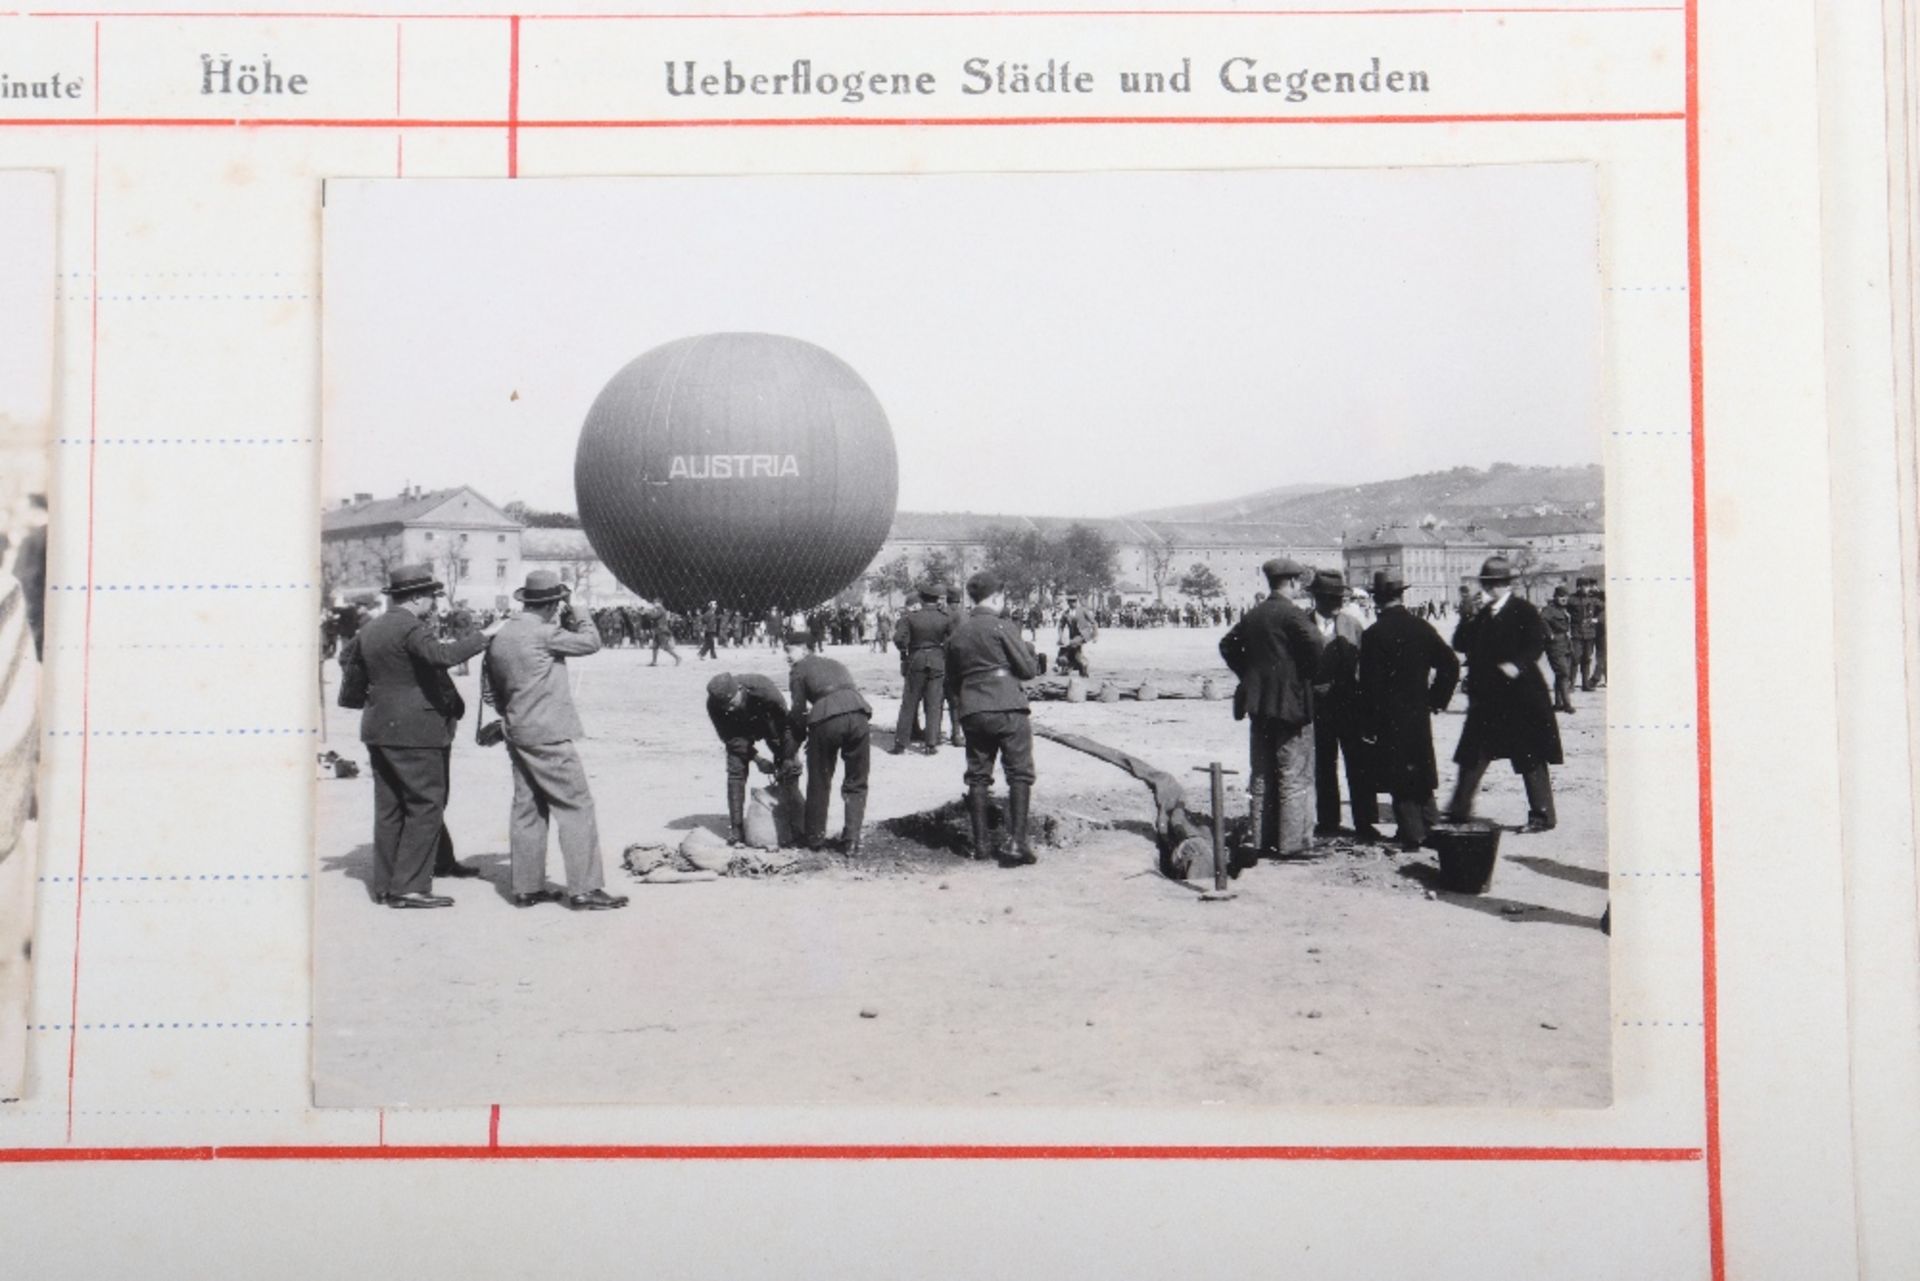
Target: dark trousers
{"x":707,"y":642}
{"x":839,"y":738}
{"x":922,"y":695}
{"x":1006,"y":735}
{"x":1560,"y":658}
{"x":1584,"y":652}
{"x":1413,"y":813}
{"x":1534,"y":775}
{"x":409,"y":816}
{"x":1073,"y":658}
{"x":1331,"y":734}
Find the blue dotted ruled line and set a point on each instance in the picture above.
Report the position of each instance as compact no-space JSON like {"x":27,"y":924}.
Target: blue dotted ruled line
{"x":1691,"y":874}
{"x":180,"y":587}
{"x":256,"y":1024}
{"x":1676,"y":433}
{"x":1650,"y":578}
{"x":1655,"y":725}
{"x":1661,"y":1023}
{"x":182,"y":876}
{"x":185,"y":440}
{"x":171,"y":733}
{"x":1646,"y":289}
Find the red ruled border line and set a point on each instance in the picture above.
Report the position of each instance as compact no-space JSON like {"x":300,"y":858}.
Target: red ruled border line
{"x":1449,"y":11}
{"x":514,"y":124}
{"x":837,"y":1152}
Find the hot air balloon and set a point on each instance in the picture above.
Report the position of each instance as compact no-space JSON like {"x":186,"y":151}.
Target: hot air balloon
{"x":750,"y":469}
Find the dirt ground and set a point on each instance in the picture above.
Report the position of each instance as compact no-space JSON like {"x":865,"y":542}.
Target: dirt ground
{"x":916,"y":977}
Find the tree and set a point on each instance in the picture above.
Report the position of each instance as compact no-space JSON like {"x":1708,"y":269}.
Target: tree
{"x":1201,"y":583}
{"x":937,"y":567}
{"x":1022,"y":559}
{"x":1160,"y":568}
{"x":1086,"y":559}
{"x":894,"y":578}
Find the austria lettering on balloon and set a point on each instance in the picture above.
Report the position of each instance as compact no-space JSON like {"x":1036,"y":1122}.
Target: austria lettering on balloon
{"x":732,"y":466}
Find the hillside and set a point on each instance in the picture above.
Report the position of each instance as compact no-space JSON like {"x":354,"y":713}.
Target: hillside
{"x":1459,"y":496}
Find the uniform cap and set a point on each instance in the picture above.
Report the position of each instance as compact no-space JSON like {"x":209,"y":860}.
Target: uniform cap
{"x":723,"y":687}
{"x":982,"y":585}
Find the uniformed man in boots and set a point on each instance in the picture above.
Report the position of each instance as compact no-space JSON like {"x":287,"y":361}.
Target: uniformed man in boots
{"x":1509,"y":712}
{"x":987,"y":657}
{"x":747,"y":711}
{"x":956,"y":608}
{"x":1275,"y":651}
{"x":832,"y":717}
{"x":1585,"y":608}
{"x":921,"y":637}
{"x":1559,"y":624}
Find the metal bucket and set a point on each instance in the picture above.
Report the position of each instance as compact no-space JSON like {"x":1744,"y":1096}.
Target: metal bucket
{"x":1467,"y":850}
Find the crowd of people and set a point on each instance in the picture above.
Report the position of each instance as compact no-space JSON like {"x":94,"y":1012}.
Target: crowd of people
{"x":1333,"y":682}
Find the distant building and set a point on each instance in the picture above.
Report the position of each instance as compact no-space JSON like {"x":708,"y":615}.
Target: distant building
{"x":1433,"y":561}
{"x":473,"y":546}
{"x":1152,"y":555}
{"x":568,"y":553}
{"x":1560,"y":544}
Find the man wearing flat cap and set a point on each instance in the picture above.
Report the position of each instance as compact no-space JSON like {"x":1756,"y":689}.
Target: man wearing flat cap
{"x":395,"y":671}
{"x":747,"y":710}
{"x":921,"y":637}
{"x":525,"y":678}
{"x":988,"y":658}
{"x":1407,"y":673}
{"x":1336,"y":714}
{"x":1509,"y":711}
{"x":1275,"y":650}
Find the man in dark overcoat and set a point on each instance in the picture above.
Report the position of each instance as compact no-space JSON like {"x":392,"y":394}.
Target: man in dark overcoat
{"x":1407,"y":673}
{"x":1337,"y":714}
{"x":921,"y":637}
{"x":1509,"y":711}
{"x":1275,"y":651}
{"x":988,"y":658}
{"x":830,"y":715}
{"x":395,"y":670}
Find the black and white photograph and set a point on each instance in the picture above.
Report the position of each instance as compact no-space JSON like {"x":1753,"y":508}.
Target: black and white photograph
{"x":1109,"y":639}
{"x":26,"y":414}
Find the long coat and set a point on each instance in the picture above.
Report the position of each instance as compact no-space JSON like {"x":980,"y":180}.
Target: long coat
{"x":396,"y":672}
{"x":1275,"y":651}
{"x":1407,"y":673}
{"x":1508,"y":717}
{"x":1337,"y":678}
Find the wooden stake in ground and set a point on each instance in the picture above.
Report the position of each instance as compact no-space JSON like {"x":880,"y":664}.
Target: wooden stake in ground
{"x":1220,"y":892}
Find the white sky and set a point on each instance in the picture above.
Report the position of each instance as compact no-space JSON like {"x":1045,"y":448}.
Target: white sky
{"x":1071,"y":344}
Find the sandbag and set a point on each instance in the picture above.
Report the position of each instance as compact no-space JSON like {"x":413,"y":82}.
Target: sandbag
{"x":1149,"y":692}
{"x":1109,"y":693}
{"x":1076,"y":690}
{"x":768,"y":824}
{"x":1209,"y":690}
{"x":703,"y":851}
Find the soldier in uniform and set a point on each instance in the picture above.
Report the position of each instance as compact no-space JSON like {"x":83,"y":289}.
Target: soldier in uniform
{"x":1407,"y":673}
{"x":832,"y":717}
{"x":920,"y":636}
{"x":1585,"y":608}
{"x":1558,"y":620}
{"x":1599,"y":636}
{"x":1337,"y":720}
{"x":1275,"y":650}
{"x":660,"y":636}
{"x":709,"y":630}
{"x":395,"y":670}
{"x":952,"y":688}
{"x":746,"y":711}
{"x":988,"y":659}
{"x":1509,"y":712}
{"x":1077,"y":630}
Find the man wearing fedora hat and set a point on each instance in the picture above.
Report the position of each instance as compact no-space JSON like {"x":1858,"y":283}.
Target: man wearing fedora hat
{"x":1509,"y":711}
{"x":395,"y":671}
{"x":1275,"y":651}
{"x":526,"y":679}
{"x":1336,"y":714}
{"x":1407,"y":673}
